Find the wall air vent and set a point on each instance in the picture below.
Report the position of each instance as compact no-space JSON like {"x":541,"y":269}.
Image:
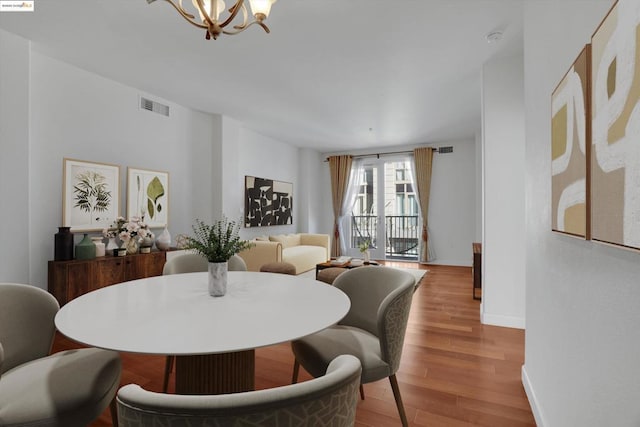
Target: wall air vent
{"x":156,"y":107}
{"x":445,"y":150}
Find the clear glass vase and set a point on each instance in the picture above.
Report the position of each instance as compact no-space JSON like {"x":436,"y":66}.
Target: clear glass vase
{"x":131,"y":246}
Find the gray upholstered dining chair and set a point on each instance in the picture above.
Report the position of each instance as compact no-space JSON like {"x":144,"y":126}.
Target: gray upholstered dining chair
{"x":192,"y":263}
{"x":185,"y":263}
{"x":373,"y":330}
{"x":329,"y":400}
{"x":69,"y":388}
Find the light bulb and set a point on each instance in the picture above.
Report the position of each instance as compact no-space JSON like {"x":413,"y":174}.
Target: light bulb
{"x":207,"y":7}
{"x":261,"y":7}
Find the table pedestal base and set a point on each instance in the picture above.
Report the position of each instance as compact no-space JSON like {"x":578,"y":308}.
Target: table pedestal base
{"x":216,"y":373}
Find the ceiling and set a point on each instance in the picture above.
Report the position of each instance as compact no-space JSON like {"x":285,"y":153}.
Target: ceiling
{"x":333,"y":75}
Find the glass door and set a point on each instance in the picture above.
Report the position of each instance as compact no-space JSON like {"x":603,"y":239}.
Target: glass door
{"x":385,"y":213}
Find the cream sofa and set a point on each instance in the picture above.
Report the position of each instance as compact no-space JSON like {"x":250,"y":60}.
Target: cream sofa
{"x":303,"y":250}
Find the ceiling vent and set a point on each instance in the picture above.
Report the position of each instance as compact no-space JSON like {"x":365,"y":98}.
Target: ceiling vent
{"x":156,"y":107}
{"x":445,"y":150}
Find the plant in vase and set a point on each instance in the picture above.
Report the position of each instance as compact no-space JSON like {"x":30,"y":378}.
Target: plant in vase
{"x":217,"y":243}
{"x":364,"y":250}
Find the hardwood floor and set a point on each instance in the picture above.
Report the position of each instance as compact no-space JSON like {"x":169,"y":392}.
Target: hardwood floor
{"x":454,"y":372}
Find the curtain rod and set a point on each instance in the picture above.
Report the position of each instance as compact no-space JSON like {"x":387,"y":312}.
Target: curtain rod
{"x":389,"y":153}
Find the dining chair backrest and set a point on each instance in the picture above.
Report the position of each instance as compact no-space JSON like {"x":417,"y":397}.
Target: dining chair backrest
{"x":26,"y":323}
{"x":236,"y":263}
{"x":380,"y":304}
{"x":185,"y":263}
{"x":333,"y":397}
{"x":192,"y":263}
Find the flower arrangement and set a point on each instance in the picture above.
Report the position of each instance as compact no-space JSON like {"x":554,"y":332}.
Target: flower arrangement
{"x":125,"y":230}
{"x":217,"y":242}
{"x":364,"y":245}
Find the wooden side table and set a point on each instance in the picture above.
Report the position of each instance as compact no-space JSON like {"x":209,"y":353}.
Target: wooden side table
{"x":477,"y":269}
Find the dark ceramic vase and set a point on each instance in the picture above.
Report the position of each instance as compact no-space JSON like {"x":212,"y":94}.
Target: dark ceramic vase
{"x":63,"y":244}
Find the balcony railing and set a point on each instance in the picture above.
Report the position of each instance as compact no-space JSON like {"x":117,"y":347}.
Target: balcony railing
{"x":401,"y":234}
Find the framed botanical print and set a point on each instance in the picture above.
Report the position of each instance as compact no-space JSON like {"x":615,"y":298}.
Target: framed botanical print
{"x":148,"y":196}
{"x":90,"y":194}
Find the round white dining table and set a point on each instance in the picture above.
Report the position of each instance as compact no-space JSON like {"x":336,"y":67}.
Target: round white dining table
{"x":213,"y":338}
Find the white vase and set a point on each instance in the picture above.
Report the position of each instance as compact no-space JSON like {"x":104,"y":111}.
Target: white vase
{"x":217,"y":278}
{"x":100,"y":249}
{"x":367,"y":256}
{"x":163,"y":242}
{"x":111,"y":245}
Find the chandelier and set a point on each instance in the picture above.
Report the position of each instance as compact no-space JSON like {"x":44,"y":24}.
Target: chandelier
{"x":210,"y":11}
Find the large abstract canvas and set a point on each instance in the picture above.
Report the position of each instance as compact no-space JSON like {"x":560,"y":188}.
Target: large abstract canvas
{"x":267,"y":202}
{"x":615,"y":164}
{"x":570,"y":143}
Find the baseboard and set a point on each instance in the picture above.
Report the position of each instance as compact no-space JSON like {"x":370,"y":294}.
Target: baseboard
{"x":533,"y":400}
{"x":450,"y":262}
{"x":504,"y":321}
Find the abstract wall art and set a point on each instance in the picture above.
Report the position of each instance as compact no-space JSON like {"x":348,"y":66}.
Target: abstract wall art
{"x":570,"y":144}
{"x":267,"y":202}
{"x":148,"y":196}
{"x":615,"y":160}
{"x":90,"y":194}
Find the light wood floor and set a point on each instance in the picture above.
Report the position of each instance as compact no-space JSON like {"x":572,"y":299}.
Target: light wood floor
{"x":454,"y":371}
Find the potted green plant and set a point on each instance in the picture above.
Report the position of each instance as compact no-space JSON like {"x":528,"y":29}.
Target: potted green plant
{"x":217,"y":243}
{"x":364,"y":250}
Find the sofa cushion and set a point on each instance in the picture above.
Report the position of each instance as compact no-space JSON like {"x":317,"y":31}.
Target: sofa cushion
{"x":262,"y":238}
{"x":288,"y":240}
{"x":304,"y":258}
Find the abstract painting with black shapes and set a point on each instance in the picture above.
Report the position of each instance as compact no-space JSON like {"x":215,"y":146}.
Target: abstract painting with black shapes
{"x":267,"y":202}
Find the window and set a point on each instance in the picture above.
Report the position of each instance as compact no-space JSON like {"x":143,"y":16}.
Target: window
{"x":400,"y":208}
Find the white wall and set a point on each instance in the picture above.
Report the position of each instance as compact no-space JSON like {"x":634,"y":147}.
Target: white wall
{"x":503,"y":247}
{"x":265,"y":157}
{"x":583,"y":336}
{"x":80,"y":115}
{"x":14,"y":158}
{"x":314,"y":193}
{"x":452,"y":205}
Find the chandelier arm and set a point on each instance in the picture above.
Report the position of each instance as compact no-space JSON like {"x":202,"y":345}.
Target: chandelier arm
{"x":204,"y":13}
{"x":242,"y":28}
{"x":190,"y":18}
{"x":233,"y":10}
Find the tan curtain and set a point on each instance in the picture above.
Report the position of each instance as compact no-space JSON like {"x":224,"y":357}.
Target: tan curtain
{"x":423,"y":158}
{"x":340,"y":169}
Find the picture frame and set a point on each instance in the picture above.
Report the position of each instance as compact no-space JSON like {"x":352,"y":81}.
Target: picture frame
{"x":571,"y":149}
{"x":90,"y":194}
{"x":148,"y":196}
{"x":267,"y":202}
{"x":615,"y":171}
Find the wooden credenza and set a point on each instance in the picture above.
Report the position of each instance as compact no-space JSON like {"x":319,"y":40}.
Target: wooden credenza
{"x":70,"y":279}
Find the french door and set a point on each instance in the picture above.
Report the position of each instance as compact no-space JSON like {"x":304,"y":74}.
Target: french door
{"x":385,"y":212}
